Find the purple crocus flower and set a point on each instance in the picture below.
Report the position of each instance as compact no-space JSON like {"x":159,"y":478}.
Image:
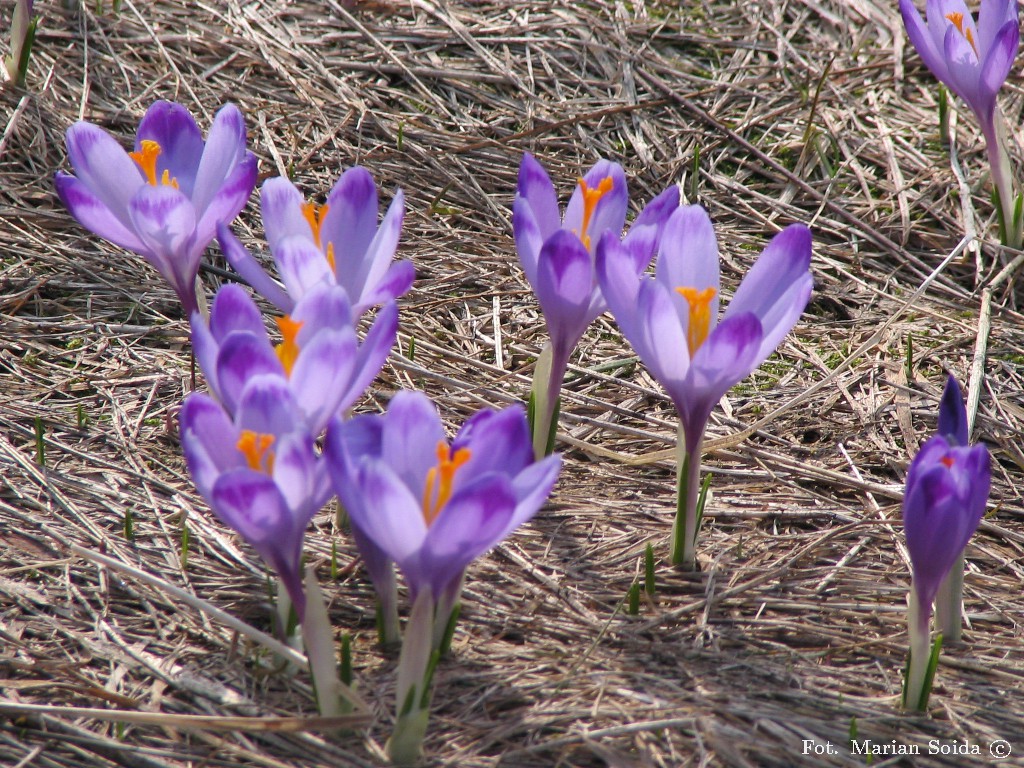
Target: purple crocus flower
{"x":320,"y":358}
{"x":258,"y":470}
{"x":338,"y":242}
{"x":973,"y":60}
{"x":672,"y":322}
{"x":946,"y":494}
{"x":947,"y":489}
{"x":557,"y":255}
{"x":432,"y":506}
{"x":165,"y":199}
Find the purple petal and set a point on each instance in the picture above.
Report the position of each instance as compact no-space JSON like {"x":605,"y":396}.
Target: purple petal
{"x":294,"y":473}
{"x":536,"y":192}
{"x":361,"y":271}
{"x":528,"y":238}
{"x":953,"y":414}
{"x":93,"y":214}
{"x":373,"y":353}
{"x":532,"y":487}
{"x":250,"y":503}
{"x":245,"y":265}
{"x":281,"y":206}
{"x":498,"y":441}
{"x":208,"y":440}
{"x":999,"y":58}
{"x":410,"y":439}
{"x":390,"y":515}
{"x":396,"y":282}
{"x":233,"y":310}
{"x":104,"y":168}
{"x":267,"y":406}
{"x":565,"y":285}
{"x":224,"y":151}
{"x":318,"y":378}
{"x":181,"y":144}
{"x":992,"y":17}
{"x":475,"y":519}
{"x":921,"y":37}
{"x":726,"y":356}
{"x":243,"y":356}
{"x":644,"y":236}
{"x":351,"y":225}
{"x":325,"y":306}
{"x":777,"y":287}
{"x":610,"y":211}
{"x":689,"y":259}
{"x":228,"y":200}
{"x":166,"y":223}
{"x":302,"y":265}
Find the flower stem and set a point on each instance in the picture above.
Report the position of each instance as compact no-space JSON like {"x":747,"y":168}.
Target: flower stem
{"x":333,"y":697}
{"x":920,"y":671}
{"x":1002,"y":180}
{"x":684,"y":532}
{"x":415,"y":671}
{"x":545,"y":400}
{"x":948,"y":611}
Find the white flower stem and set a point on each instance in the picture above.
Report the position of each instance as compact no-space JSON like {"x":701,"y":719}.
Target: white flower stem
{"x":415,"y":671}
{"x":949,"y":602}
{"x":919,"y":630}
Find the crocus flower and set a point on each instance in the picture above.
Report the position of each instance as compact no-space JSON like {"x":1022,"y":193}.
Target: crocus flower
{"x":164,"y":200}
{"x":557,"y":257}
{"x":946,"y":493}
{"x":320,"y":358}
{"x":338,"y":242}
{"x":432,"y":507}
{"x":259,"y":471}
{"x":973,"y":60}
{"x":672,"y":322}
{"x":23,"y":32}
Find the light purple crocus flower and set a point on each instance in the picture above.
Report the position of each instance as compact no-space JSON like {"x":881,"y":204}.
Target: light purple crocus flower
{"x":973,"y":60}
{"x":339,"y":243}
{"x":258,"y":470}
{"x":320,"y":358}
{"x":432,"y":506}
{"x":165,"y":199}
{"x":672,"y":322}
{"x":558,"y":255}
{"x":946,"y":493}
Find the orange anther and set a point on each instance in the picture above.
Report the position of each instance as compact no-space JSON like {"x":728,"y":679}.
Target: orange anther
{"x":591,"y":196}
{"x":256,"y":449}
{"x":288,"y":349}
{"x":438,"y":488}
{"x":700,"y":315}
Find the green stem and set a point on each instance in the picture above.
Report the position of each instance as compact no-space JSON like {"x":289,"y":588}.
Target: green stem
{"x":684,"y":532}
{"x":1002,"y":180}
{"x":415,"y":670}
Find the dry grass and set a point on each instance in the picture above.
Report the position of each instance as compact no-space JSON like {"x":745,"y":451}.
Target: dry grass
{"x":802,"y":111}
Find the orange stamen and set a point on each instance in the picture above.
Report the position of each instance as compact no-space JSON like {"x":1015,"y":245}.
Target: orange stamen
{"x":438,"y":488}
{"x":947,"y":461}
{"x":330,"y":256}
{"x":700,"y":315}
{"x":256,"y":449}
{"x":591,"y":196}
{"x":314,"y":215}
{"x":288,"y":349}
{"x":957,"y":19}
{"x":146,"y":160}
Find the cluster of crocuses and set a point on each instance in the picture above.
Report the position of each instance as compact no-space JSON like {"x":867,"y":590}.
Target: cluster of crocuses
{"x":415,"y":499}
{"x":274,"y":439}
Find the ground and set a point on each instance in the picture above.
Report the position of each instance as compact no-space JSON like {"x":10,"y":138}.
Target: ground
{"x":791,"y":638}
